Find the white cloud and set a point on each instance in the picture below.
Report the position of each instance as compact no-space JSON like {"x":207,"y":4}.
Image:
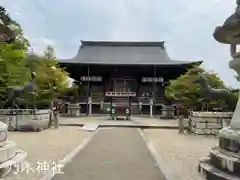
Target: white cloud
{"x":40,"y":43}
{"x":185,"y":25}
{"x":17,"y":14}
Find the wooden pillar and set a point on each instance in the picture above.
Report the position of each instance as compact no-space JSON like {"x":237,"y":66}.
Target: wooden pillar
{"x":88,"y":91}
{"x":104,"y":82}
{"x":154,"y":82}
{"x":138,"y":87}
{"x":163,"y":89}
{"x":154,"y":88}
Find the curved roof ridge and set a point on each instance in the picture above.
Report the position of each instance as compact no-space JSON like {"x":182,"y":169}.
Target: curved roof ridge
{"x":125,"y":53}
{"x":124,"y":43}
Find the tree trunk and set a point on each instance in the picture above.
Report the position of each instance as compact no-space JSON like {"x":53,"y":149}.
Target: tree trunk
{"x":50,"y":115}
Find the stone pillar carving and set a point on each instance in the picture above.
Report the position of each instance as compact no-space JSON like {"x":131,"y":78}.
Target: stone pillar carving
{"x":90,"y":105}
{"x":235,"y":122}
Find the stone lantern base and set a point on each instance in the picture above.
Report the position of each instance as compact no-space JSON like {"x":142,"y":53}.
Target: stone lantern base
{"x":167,"y":112}
{"x":10,"y":156}
{"x":223,"y":163}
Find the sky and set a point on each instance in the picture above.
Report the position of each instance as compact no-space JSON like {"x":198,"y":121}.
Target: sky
{"x":186,"y":26}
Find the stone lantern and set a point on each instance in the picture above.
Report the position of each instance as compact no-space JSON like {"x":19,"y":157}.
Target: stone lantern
{"x":11,"y":157}
{"x":224,"y":160}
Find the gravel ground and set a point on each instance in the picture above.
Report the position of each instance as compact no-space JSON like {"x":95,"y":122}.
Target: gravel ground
{"x":45,"y":146}
{"x":179,"y":154}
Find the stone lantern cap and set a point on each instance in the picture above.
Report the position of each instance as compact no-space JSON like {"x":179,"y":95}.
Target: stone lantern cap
{"x":229,"y":32}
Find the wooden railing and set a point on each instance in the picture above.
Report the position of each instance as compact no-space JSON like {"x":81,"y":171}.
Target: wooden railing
{"x":120,"y":97}
{"x":147,"y":100}
{"x":159,"y":101}
{"x":144,"y":99}
{"x":97,"y":98}
{"x":120,"y":94}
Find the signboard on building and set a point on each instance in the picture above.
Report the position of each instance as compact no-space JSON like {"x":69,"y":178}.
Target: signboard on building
{"x":91,"y":78}
{"x":152,"y":79}
{"x":120,"y":94}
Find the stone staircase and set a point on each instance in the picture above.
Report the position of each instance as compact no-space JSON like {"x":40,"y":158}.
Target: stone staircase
{"x":123,"y":101}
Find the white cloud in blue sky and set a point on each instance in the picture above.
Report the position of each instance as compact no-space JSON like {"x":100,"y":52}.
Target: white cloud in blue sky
{"x":185,"y":25}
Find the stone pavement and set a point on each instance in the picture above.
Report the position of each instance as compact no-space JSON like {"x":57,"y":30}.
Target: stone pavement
{"x":140,"y":122}
{"x":113,"y":154}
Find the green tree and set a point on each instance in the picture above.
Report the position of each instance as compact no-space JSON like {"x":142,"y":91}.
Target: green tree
{"x":188,"y":92}
{"x":16,"y":65}
{"x":13,"y":71}
{"x":51,"y":79}
{"x":12,"y":68}
{"x":20,"y":42}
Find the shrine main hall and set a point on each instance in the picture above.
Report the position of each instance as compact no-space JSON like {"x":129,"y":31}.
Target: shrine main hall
{"x":124,"y":74}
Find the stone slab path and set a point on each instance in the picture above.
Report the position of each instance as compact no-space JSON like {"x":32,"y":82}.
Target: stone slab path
{"x":113,"y":154}
{"x":89,"y":127}
{"x":137,"y":122}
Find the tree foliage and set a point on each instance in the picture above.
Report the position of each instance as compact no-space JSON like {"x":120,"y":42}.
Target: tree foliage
{"x":13,"y":71}
{"x":188,"y":92}
{"x":51,"y":79}
{"x":16,"y":66}
{"x":20,"y":42}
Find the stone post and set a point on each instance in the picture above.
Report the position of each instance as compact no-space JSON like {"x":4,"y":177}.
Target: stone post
{"x":56,"y":119}
{"x":140,"y":107}
{"x":90,"y":106}
{"x":101,"y":105}
{"x":181,"y":123}
{"x":12,"y":121}
{"x":180,"y":114}
{"x":151,"y":107}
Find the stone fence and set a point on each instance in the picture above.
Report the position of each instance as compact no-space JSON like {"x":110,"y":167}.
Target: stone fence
{"x":25,"y":119}
{"x":208,"y":123}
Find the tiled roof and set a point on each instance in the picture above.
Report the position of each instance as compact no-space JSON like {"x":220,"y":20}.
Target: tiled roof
{"x":123,"y":53}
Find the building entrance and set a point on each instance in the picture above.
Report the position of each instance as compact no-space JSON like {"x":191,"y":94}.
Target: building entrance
{"x":124,"y":85}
